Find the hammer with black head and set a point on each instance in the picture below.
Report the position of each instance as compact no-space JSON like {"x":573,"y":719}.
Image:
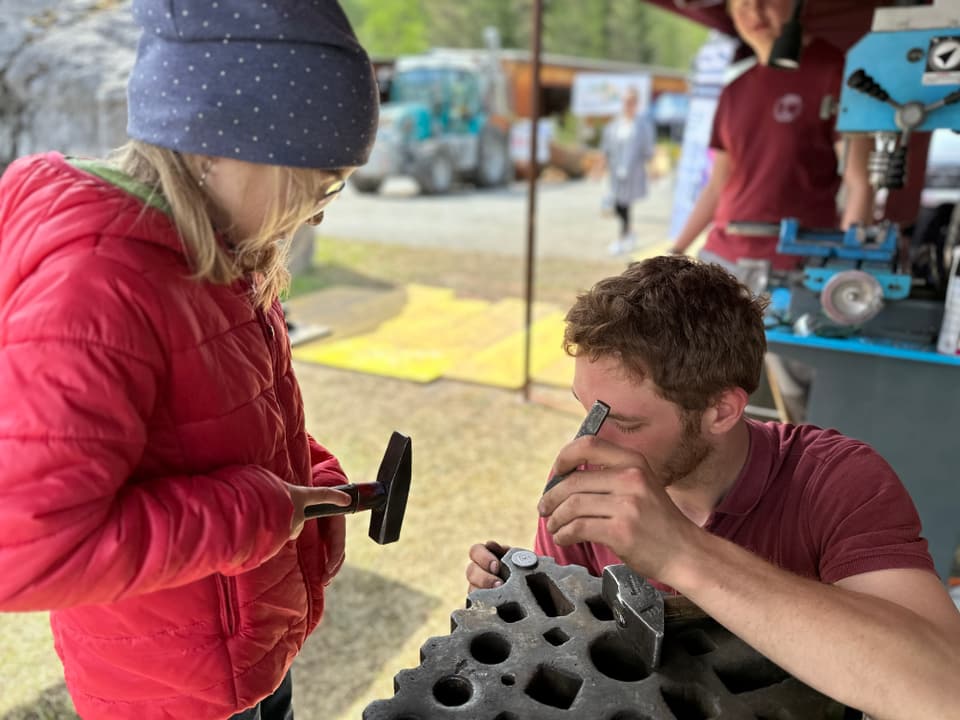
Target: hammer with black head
{"x":386,"y":498}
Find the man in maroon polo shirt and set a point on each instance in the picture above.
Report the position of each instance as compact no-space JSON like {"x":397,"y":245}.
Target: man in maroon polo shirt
{"x":774,"y":156}
{"x":800,"y":540}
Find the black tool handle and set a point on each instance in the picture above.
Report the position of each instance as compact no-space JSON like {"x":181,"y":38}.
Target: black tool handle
{"x":590,"y":426}
{"x":365,"y":496}
{"x":861,"y":80}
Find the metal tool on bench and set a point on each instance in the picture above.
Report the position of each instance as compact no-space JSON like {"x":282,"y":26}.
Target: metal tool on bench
{"x":386,"y":498}
{"x":643,"y":613}
{"x":590,"y":426}
{"x":638,"y":609}
{"x":853,"y":272}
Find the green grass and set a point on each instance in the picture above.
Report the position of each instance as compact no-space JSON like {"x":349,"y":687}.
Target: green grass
{"x":31,"y":678}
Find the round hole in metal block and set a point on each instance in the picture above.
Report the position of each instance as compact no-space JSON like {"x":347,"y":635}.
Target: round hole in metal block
{"x":511,"y":612}
{"x":452,"y":691}
{"x":613,"y":657}
{"x":490,"y":648}
{"x":508,"y":679}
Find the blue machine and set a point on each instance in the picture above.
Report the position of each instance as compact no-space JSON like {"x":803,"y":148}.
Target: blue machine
{"x":869,"y":250}
{"x":886,"y":385}
{"x":849,"y":273}
{"x":900,"y":78}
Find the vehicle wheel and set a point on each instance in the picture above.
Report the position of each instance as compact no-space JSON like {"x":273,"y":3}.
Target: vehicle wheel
{"x":493,"y":158}
{"x":365,"y":184}
{"x":435,"y":174}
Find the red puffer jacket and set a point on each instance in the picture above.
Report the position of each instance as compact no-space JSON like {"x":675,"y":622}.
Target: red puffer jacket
{"x":147,"y":422}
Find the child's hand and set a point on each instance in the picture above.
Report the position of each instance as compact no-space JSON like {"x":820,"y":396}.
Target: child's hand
{"x":303,"y":496}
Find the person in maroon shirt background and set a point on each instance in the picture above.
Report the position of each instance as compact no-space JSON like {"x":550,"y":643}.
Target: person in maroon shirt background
{"x":774,"y":157}
{"x":784,"y":534}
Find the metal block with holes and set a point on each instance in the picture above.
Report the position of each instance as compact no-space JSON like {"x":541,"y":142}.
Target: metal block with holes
{"x":545,"y":646}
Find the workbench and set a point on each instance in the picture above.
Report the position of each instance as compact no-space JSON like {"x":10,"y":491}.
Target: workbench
{"x":905,"y":402}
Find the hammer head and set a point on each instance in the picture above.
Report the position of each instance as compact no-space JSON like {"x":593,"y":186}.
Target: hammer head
{"x":394,"y":479}
{"x":638,"y":609}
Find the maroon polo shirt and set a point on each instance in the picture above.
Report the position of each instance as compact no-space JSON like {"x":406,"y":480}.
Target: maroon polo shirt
{"x":811,"y":501}
{"x":782,"y":153}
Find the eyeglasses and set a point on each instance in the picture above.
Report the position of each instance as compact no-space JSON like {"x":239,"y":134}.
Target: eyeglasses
{"x":328,"y":197}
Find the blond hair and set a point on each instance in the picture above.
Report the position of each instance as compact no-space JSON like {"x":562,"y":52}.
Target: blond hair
{"x":263,"y":256}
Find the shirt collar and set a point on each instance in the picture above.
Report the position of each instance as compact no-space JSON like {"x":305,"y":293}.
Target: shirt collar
{"x":754,"y":477}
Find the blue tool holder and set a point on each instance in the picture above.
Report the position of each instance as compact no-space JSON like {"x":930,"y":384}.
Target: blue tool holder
{"x":843,"y":250}
{"x":837,"y":243}
{"x":898,"y":61}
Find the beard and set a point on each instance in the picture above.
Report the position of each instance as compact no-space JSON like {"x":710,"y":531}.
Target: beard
{"x":690,"y":453}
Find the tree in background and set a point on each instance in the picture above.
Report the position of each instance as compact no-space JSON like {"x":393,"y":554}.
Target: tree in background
{"x":628,"y":30}
{"x":578,"y":28}
{"x":461,"y":24}
{"x":389,"y":27}
{"x":677,"y":39}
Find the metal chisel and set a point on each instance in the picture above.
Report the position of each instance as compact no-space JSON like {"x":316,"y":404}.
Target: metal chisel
{"x":590,"y":426}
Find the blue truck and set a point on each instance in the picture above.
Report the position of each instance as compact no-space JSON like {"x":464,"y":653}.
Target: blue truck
{"x":445,"y":121}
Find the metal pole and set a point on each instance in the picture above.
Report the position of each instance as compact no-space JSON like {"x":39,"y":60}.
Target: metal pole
{"x":532,"y":192}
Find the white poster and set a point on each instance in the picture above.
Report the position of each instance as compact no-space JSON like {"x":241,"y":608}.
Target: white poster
{"x":520,"y":140}
{"x":601,"y":94}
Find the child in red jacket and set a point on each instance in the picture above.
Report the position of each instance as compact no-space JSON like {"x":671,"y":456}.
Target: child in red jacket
{"x":154,"y":465}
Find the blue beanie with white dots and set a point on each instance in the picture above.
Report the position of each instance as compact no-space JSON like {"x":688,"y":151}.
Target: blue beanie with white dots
{"x":281,"y":82}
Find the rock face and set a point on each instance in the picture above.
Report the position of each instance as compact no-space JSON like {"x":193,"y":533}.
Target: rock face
{"x":63,"y":82}
{"x":63,"y":74}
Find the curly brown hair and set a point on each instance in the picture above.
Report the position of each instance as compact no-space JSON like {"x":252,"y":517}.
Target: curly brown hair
{"x":691,"y":327}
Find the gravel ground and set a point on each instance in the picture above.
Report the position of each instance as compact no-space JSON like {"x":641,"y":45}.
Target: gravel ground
{"x":569,"y":222}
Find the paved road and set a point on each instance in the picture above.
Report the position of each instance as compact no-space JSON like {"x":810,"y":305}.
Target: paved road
{"x":569,"y":220}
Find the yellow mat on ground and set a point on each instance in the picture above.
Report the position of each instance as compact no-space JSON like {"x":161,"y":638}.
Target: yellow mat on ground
{"x":501,"y":363}
{"x":437,"y":334}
